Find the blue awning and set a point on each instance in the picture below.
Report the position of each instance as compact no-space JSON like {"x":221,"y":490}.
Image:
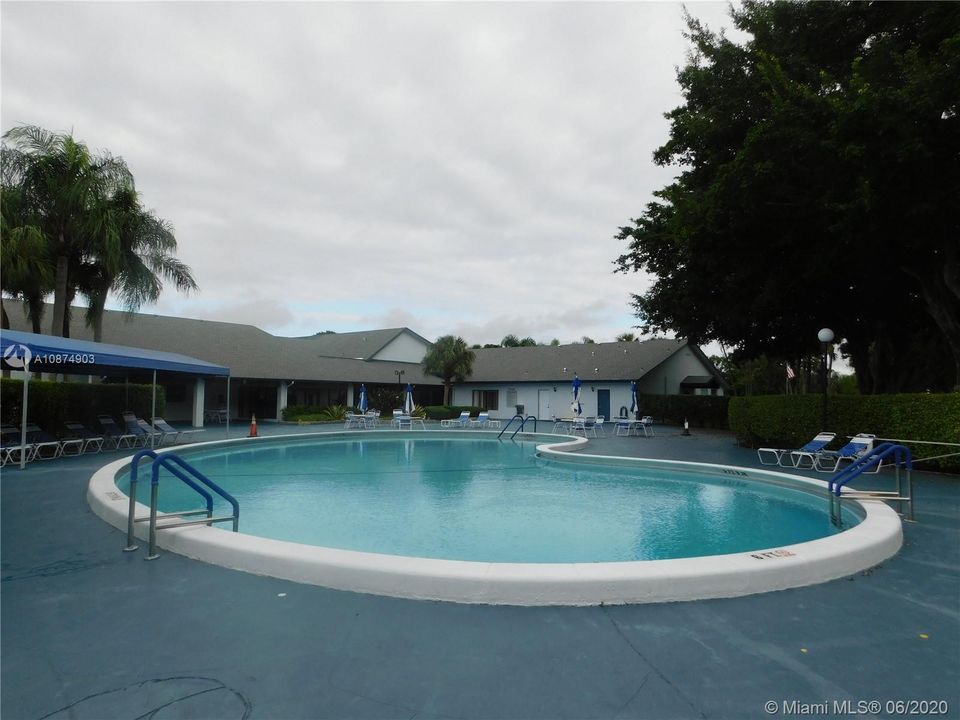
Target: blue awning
{"x":49,"y":353}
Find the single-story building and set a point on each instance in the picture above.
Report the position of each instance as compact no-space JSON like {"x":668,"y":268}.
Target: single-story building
{"x":268,"y":372}
{"x":540,"y":378}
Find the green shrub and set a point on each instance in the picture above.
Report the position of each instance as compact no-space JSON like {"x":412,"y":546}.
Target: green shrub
{"x":709,"y":411}
{"x":333,"y":412}
{"x":53,"y":403}
{"x":791,"y":420}
{"x":295,"y":412}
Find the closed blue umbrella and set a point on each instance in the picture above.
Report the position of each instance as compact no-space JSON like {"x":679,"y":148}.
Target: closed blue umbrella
{"x":634,"y":405}
{"x":408,"y":400}
{"x":364,"y":399}
{"x":575,"y":405}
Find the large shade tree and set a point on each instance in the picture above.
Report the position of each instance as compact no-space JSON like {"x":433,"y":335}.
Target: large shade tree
{"x":817,"y":181}
{"x":451,"y":360}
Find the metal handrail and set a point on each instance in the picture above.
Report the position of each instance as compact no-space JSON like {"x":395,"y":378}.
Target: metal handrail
{"x":901,"y":455}
{"x":523,"y":423}
{"x":189,"y":475}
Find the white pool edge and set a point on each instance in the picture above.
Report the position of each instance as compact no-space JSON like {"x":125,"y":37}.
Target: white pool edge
{"x":875,"y":539}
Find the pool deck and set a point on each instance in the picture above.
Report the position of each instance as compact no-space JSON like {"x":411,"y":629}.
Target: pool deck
{"x":91,"y":632}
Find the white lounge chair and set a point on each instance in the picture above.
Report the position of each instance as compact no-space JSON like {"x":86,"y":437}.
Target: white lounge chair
{"x":860,"y":444}
{"x":789,"y":458}
{"x":462,"y":421}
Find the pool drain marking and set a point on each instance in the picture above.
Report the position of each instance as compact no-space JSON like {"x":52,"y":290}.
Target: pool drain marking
{"x":773,"y":554}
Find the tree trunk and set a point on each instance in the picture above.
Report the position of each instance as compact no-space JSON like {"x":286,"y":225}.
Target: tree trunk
{"x":940,"y":289}
{"x":68,"y":308}
{"x":446,"y":393}
{"x":59,"y":295}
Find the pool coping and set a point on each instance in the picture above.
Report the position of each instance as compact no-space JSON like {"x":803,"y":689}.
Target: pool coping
{"x":876,"y":538}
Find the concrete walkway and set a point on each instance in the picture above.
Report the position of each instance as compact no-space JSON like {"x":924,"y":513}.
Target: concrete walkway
{"x":91,"y":632}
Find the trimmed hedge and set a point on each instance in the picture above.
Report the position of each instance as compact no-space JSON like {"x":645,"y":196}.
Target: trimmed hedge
{"x":443,"y":412}
{"x":791,"y":420}
{"x":707,"y":411}
{"x":295,"y":412}
{"x":53,"y":403}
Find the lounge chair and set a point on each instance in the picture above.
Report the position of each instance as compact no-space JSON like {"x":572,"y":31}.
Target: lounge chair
{"x":462,"y":421}
{"x":45,"y":445}
{"x":78,"y":431}
{"x":11,"y":449}
{"x":480,"y":421}
{"x":169,"y":430}
{"x":860,"y":444}
{"x":113,"y":434}
{"x":141,"y":429}
{"x":785,"y":457}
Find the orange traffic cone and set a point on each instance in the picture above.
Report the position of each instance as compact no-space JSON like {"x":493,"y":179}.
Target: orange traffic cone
{"x":253,"y":426}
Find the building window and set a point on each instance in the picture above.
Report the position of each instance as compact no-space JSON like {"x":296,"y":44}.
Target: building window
{"x":511,"y":397}
{"x":486,"y":399}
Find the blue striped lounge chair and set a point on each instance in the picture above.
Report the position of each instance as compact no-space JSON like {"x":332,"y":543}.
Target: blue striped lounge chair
{"x":785,"y":457}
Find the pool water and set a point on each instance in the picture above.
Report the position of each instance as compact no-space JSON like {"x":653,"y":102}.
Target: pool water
{"x":483,"y":500}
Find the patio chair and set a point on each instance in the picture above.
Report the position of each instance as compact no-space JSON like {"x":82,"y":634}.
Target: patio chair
{"x":590,"y":426}
{"x":77,"y":431}
{"x":624,"y":427}
{"x":780,"y":456}
{"x":599,"y":426}
{"x":462,"y":421}
{"x":45,"y":445}
{"x":114,"y":435}
{"x":646,"y":426}
{"x":860,"y":445}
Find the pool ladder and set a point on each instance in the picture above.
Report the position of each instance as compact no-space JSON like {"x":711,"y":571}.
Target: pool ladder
{"x":523,"y":423}
{"x":192,"y":477}
{"x":899,"y":454}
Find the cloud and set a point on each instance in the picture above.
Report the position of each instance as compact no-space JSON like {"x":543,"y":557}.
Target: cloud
{"x":452,"y":167}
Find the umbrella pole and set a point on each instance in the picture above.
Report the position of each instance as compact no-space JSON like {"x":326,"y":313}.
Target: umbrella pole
{"x":23,"y":413}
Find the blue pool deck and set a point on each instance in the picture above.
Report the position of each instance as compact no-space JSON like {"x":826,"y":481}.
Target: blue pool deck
{"x":89,"y":631}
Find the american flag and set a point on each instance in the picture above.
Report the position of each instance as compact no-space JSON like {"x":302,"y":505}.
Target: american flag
{"x":790,"y":373}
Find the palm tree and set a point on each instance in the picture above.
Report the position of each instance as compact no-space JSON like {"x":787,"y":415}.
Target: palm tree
{"x":23,"y":257}
{"x":147,"y":247}
{"x":66,"y":189}
{"x":449,"y":359}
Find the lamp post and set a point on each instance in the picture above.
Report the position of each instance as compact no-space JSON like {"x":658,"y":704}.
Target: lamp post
{"x":825,"y":336}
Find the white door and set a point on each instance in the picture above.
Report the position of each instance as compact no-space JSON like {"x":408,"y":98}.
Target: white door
{"x":543,"y":404}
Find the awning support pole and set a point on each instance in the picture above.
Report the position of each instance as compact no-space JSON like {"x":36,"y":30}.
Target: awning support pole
{"x":228,"y":407}
{"x":23,"y":413}
{"x":153,"y":410}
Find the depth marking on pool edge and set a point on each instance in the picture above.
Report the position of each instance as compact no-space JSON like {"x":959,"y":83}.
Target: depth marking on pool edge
{"x":773,"y":555}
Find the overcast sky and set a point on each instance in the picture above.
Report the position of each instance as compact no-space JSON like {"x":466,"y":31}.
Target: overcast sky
{"x":454,"y":168}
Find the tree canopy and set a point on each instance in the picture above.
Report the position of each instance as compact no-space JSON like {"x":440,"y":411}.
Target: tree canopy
{"x":819,"y":167}
{"x":74,"y":223}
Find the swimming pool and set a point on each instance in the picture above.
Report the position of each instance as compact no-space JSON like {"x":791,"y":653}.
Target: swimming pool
{"x":476,"y":520}
{"x":468,"y":498}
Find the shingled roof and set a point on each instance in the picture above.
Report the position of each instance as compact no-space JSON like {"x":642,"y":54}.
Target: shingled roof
{"x":557,"y":363}
{"x":248,"y":351}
